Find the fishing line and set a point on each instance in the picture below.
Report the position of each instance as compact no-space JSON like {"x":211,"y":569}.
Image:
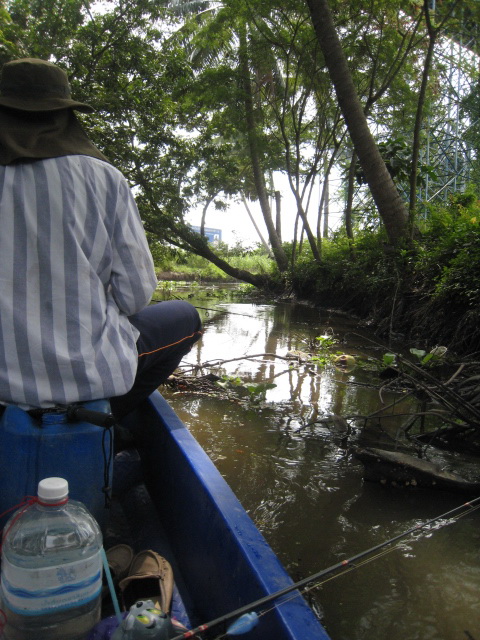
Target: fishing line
{"x":358,"y":565}
{"x":230,"y":313}
{"x":351,"y":567}
{"x":343,"y":566}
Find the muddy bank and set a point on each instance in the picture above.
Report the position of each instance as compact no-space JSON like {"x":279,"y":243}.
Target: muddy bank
{"x":423,"y":321}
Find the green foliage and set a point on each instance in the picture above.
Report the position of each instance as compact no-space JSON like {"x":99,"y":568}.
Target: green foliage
{"x":397,"y":154}
{"x":320,"y":351}
{"x":181,"y":261}
{"x":422,"y":356}
{"x":325,"y":342}
{"x":354,"y":275}
{"x":429,"y":358}
{"x":10,"y":44}
{"x":252,"y":392}
{"x":164,"y":256}
{"x":389,"y":359}
{"x":255,"y":263}
{"x":170,"y":91}
{"x":198,"y":267}
{"x":430,"y":292}
{"x":448,"y":258}
{"x":471,"y":109}
{"x":325,"y":355}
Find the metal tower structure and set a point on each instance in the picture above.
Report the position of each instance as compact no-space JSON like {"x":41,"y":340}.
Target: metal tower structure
{"x":447,"y":149}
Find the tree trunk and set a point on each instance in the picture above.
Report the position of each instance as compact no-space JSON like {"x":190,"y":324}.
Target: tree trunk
{"x":418,"y":129}
{"x":182,"y":236}
{"x":350,"y":190}
{"x":293,"y":256}
{"x":278,"y":216}
{"x":323,"y":208}
{"x":258,"y":174}
{"x":390,"y":205}
{"x":306,"y":228}
{"x":187,"y":239}
{"x":433,"y":33}
{"x":326,"y":206}
{"x":259,"y":233}
{"x":204,"y":215}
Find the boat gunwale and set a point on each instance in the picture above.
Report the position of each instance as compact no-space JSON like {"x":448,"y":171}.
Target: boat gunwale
{"x":220,"y":527}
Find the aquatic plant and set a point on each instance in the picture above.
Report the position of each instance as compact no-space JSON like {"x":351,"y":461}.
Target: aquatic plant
{"x":254,"y":392}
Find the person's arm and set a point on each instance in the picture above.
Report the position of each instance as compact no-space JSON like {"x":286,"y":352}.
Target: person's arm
{"x":133,"y":278}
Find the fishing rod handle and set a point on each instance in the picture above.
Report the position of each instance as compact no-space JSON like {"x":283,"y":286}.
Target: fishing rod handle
{"x":77,"y":413}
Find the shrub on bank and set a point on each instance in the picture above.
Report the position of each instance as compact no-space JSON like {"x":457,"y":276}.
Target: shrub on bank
{"x":447,"y":273}
{"x":430,"y":292}
{"x":352,"y":276}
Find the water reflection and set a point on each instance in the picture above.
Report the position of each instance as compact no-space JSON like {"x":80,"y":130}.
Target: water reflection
{"x":296,"y":478}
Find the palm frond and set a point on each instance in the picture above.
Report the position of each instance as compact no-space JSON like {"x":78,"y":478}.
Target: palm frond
{"x":191,"y":7}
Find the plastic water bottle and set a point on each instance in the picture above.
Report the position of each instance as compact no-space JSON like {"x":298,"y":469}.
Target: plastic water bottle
{"x":51,"y":575}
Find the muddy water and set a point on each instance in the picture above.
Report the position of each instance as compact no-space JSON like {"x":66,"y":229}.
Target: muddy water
{"x":297,"y":479}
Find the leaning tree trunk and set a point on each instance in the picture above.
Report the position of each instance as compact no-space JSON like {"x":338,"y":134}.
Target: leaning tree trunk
{"x":258,"y":175}
{"x":306,"y":228}
{"x":278,"y":214}
{"x":418,"y":127}
{"x":204,"y":215}
{"x":185,"y":238}
{"x":390,"y":205}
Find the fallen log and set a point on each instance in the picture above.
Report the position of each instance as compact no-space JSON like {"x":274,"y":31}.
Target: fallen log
{"x":404,"y":470}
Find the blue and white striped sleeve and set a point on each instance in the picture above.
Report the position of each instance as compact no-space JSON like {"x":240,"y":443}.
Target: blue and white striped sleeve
{"x":133,"y":278}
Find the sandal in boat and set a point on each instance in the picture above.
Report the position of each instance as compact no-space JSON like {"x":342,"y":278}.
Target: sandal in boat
{"x":150,"y":578}
{"x":119,"y":559}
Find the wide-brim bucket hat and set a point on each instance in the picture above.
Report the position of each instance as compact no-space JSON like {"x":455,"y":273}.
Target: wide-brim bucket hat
{"x":29,"y":84}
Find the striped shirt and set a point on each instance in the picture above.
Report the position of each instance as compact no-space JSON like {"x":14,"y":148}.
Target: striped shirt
{"x":74,"y":264}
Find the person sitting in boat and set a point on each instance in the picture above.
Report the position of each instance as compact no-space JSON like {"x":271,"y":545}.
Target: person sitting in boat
{"x":76,"y":273}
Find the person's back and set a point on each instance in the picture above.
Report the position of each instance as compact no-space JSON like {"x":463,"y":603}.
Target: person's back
{"x":73,"y":265}
{"x":76,"y":273}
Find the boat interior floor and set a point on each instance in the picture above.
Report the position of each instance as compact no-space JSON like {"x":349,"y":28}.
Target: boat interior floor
{"x":132,"y":519}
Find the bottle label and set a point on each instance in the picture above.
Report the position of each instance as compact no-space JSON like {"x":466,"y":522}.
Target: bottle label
{"x":50,"y":589}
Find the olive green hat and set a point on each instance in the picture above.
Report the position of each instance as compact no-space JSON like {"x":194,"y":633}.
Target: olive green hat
{"x":30,"y":84}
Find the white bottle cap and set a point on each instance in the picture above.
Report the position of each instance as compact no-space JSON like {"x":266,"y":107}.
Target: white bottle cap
{"x":52,"y":489}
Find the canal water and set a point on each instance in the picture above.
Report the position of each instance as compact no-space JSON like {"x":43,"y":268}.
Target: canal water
{"x":294,"y":472}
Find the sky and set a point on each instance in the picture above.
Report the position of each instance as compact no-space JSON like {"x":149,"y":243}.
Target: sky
{"x":236,"y":225}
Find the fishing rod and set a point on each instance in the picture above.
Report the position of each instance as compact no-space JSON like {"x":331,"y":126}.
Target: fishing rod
{"x":230,"y":313}
{"x":251,"y":617}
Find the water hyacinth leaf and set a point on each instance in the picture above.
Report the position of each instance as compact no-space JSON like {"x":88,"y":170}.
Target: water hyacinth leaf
{"x":419,"y":353}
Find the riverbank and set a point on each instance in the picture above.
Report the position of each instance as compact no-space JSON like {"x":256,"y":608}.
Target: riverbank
{"x":399,"y":312}
{"x":429,"y":296}
{"x":408,"y":308}
{"x":179,"y":276}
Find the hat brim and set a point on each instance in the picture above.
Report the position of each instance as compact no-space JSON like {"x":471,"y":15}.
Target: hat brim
{"x":48,"y":104}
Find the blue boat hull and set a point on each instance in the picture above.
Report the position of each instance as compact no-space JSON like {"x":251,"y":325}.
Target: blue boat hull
{"x":224,"y":560}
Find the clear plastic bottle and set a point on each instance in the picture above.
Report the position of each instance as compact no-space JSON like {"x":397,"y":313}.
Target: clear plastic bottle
{"x":51,"y":568}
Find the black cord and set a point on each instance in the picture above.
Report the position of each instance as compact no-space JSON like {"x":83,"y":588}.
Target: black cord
{"x":107,"y":451}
